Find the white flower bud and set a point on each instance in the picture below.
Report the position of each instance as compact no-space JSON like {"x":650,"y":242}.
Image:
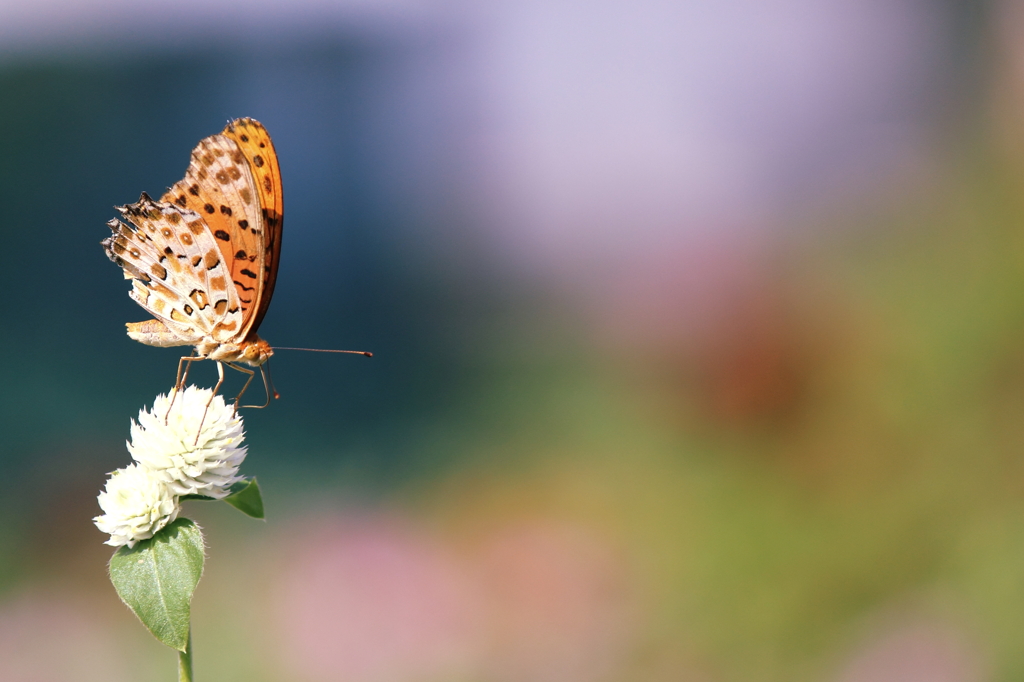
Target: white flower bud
{"x":136,"y":505}
{"x":207,"y":465}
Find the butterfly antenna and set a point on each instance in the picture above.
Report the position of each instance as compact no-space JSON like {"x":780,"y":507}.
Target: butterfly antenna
{"x":320,"y":350}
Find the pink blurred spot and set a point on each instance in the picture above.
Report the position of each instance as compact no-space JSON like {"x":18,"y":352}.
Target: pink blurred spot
{"x":915,"y":652}
{"x":46,"y":638}
{"x":366,"y":600}
{"x":559,"y":605}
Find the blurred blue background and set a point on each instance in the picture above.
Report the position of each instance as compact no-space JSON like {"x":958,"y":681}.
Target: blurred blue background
{"x":698,"y":335}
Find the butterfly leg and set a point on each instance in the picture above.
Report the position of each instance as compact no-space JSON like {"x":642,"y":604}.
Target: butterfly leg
{"x":245,"y":386}
{"x":179,"y":382}
{"x":251,"y":373}
{"x":187,"y":362}
{"x":220,"y":380}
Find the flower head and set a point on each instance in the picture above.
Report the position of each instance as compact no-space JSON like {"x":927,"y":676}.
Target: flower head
{"x":136,"y":505}
{"x":198,"y":450}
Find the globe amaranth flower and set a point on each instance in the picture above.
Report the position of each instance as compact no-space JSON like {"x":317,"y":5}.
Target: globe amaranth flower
{"x":197,"y":450}
{"x":137,"y":504}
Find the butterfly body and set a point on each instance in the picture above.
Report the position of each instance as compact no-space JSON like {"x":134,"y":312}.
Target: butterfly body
{"x":203,"y":259}
{"x":253,"y":352}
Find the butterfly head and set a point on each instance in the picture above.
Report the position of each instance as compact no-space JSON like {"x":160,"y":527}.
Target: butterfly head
{"x":255,"y":351}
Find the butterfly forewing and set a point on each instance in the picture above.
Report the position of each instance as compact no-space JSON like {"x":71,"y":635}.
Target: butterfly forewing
{"x":220,"y":186}
{"x":254,"y":141}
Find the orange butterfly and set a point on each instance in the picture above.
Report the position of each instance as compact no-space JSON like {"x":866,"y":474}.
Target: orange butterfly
{"x":203,"y":259}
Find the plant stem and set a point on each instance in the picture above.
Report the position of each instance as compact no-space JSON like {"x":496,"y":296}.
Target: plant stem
{"x":185,"y":661}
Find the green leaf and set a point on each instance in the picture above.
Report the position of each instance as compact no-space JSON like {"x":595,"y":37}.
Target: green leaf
{"x":156,"y":579}
{"x":245,"y":497}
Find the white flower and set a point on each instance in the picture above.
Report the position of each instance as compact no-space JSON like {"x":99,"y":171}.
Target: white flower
{"x":137,"y":504}
{"x":198,"y":450}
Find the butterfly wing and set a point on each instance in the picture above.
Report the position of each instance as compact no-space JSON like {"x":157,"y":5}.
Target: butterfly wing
{"x":178,"y":271}
{"x":254,"y":141}
{"x":234,"y":184}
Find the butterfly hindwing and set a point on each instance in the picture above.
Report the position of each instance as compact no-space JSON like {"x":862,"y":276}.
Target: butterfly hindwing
{"x":179,"y":273}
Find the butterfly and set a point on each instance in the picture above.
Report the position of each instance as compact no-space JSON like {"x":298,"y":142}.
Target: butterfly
{"x":203,"y":258}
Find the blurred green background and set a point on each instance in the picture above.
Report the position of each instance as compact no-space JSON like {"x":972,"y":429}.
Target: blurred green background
{"x":698,"y":335}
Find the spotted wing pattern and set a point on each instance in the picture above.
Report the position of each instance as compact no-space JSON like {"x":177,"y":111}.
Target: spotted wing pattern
{"x":254,"y":141}
{"x":234,"y":184}
{"x":178,"y":270}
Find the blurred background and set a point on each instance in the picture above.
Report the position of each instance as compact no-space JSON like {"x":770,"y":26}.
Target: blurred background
{"x":698,"y":334}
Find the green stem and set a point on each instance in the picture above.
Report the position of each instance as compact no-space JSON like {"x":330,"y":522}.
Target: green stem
{"x":185,"y":661}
